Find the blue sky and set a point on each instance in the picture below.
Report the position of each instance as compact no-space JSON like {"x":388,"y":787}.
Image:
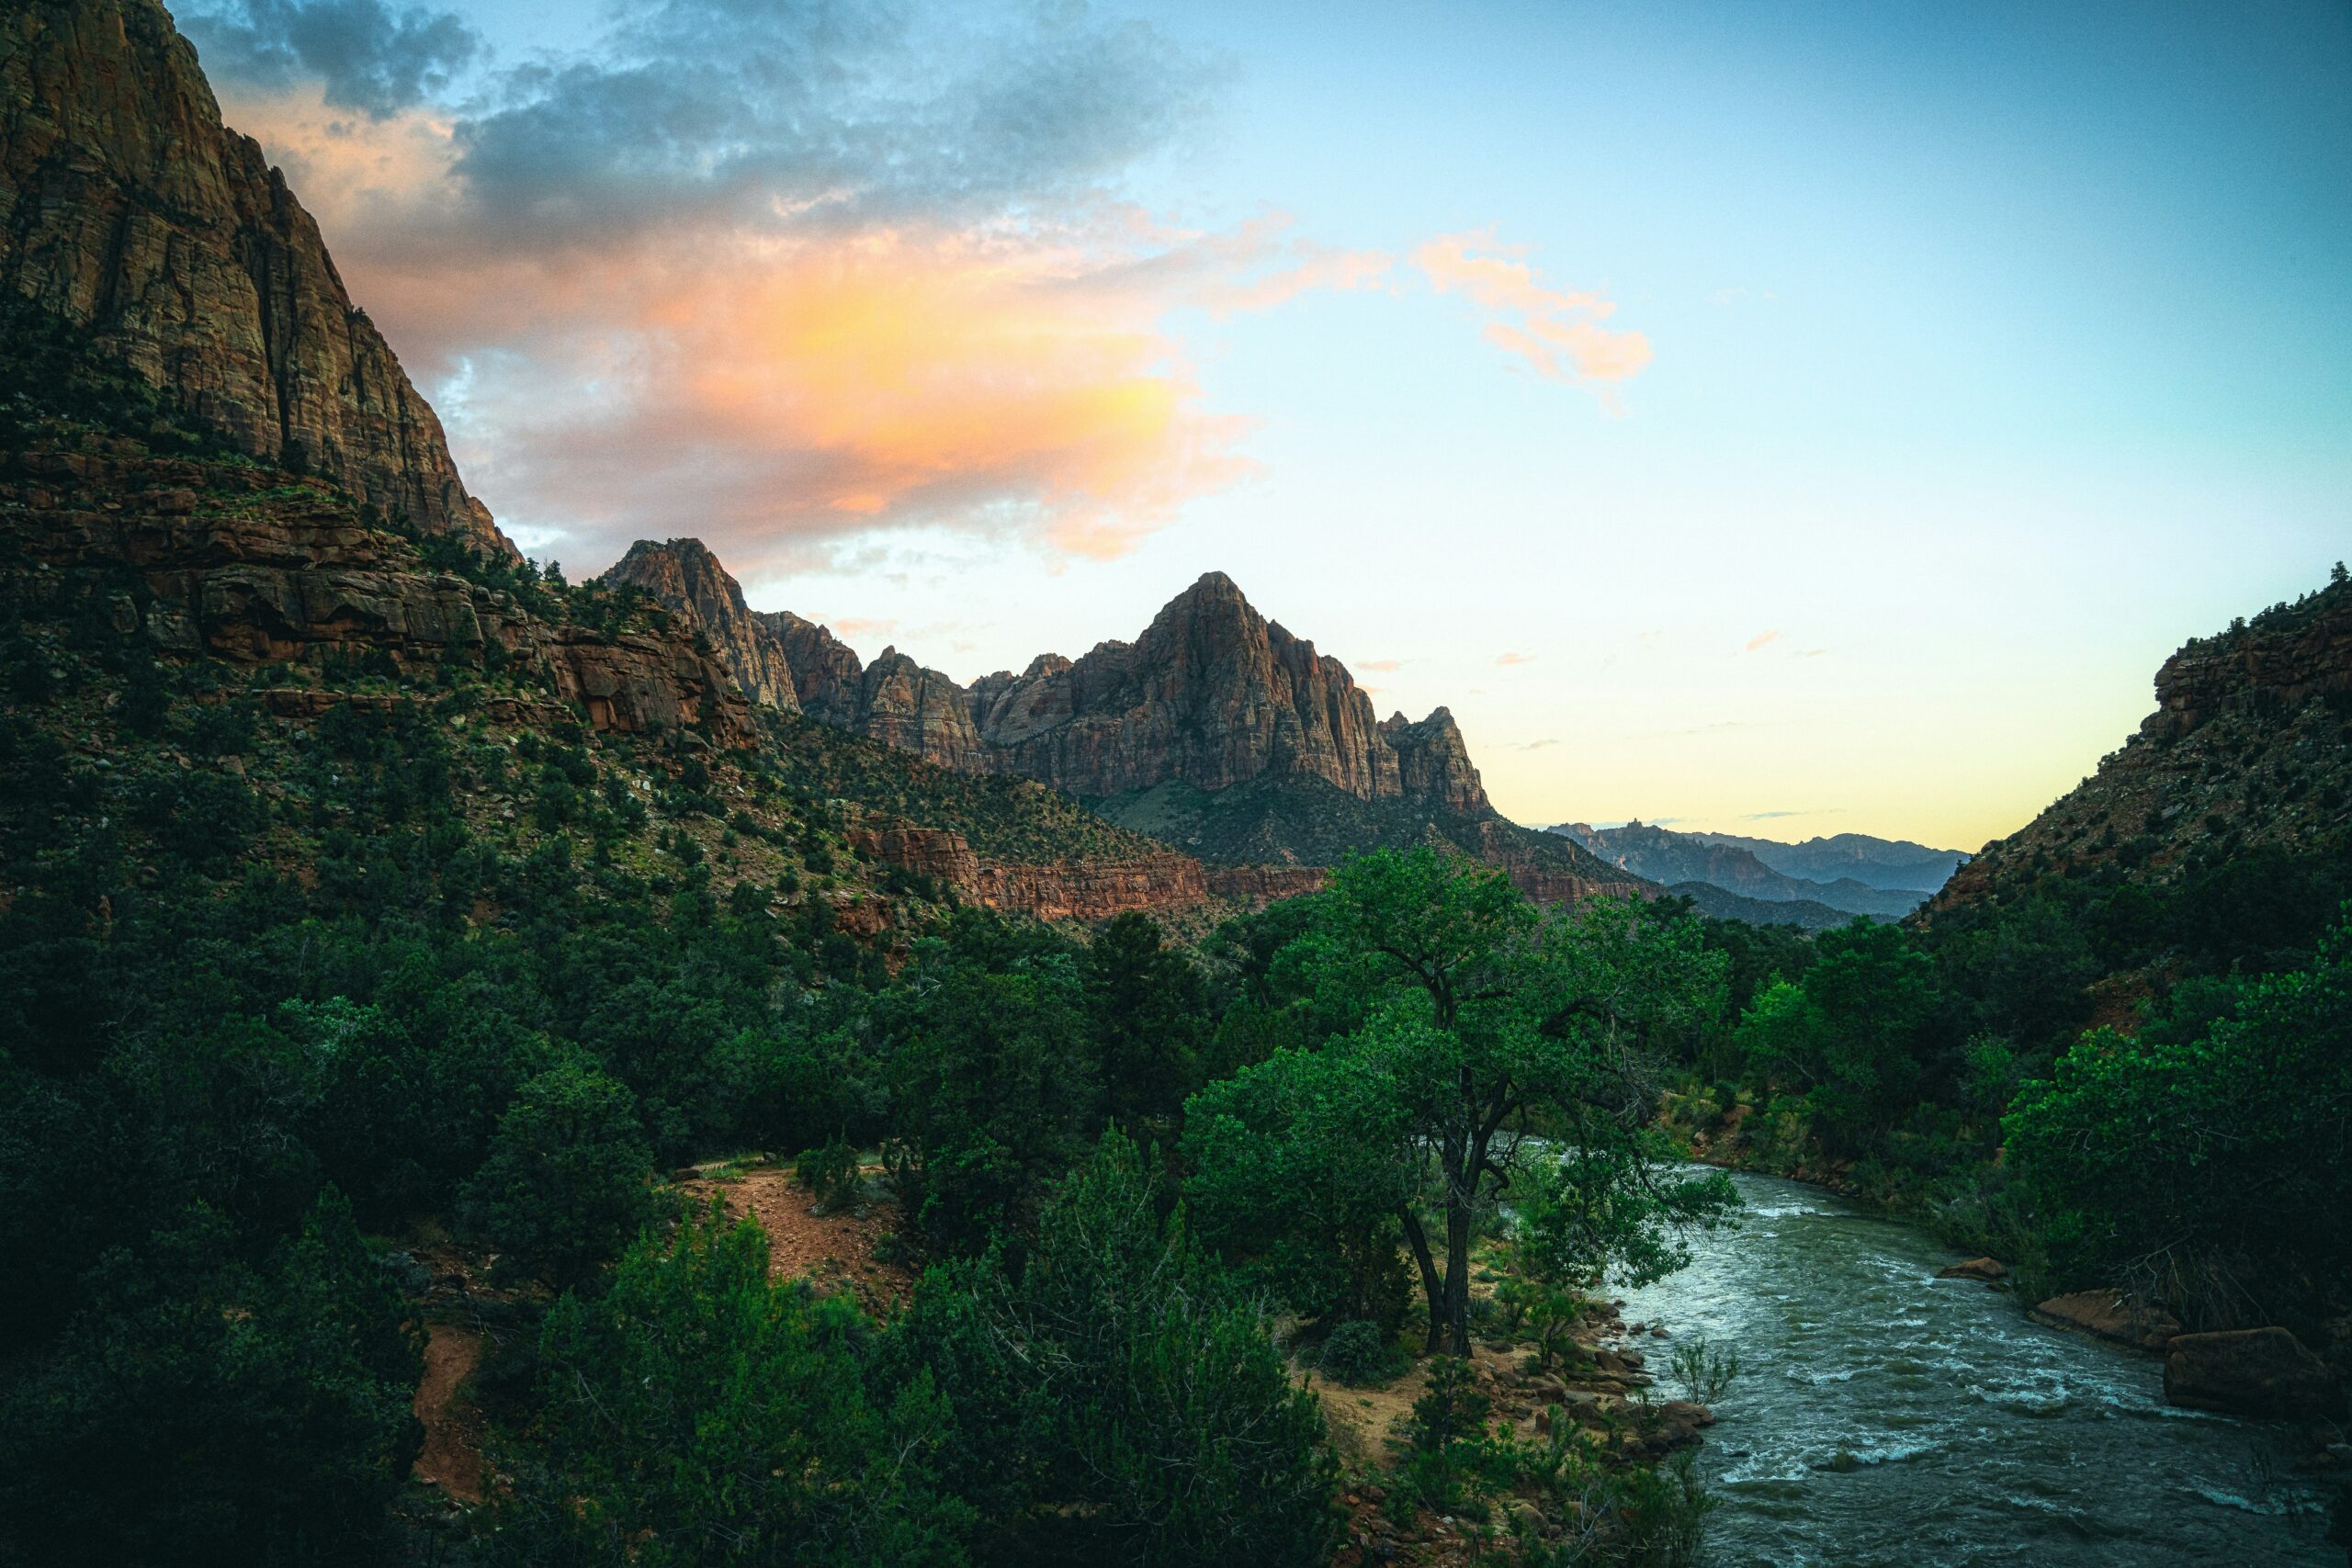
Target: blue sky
{"x":1991,"y":351}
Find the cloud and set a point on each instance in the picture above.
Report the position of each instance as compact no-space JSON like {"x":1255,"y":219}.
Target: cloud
{"x":790,"y":278}
{"x":1555,"y":331}
{"x":1384,"y":666}
{"x":367,"y":56}
{"x":836,"y":113}
{"x":1515,"y":659}
{"x":1773,"y":816}
{"x":1539,"y":745}
{"x":1811,"y":652}
{"x":849,"y":628}
{"x":1761,"y":640}
{"x":1734,"y":295}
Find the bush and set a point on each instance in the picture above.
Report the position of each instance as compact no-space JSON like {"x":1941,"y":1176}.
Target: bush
{"x":1359,"y":1353}
{"x":699,"y":1413}
{"x":1120,"y":1401}
{"x":565,"y":1182}
{"x":830,"y":1173}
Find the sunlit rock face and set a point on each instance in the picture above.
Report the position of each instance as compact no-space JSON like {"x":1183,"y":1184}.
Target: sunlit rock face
{"x":127,"y":207}
{"x":1211,"y":696}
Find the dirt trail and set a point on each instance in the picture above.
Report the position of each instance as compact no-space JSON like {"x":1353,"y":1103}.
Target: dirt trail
{"x":452,"y":1456}
{"x":832,"y":1251}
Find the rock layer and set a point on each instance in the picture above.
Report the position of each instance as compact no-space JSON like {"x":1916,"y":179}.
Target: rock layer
{"x":266,"y":577}
{"x":1065,"y":890}
{"x":686,"y":578}
{"x":127,"y":209}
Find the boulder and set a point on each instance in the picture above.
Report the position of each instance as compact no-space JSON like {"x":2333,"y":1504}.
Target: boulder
{"x":1986,"y":1268}
{"x":2261,"y":1373}
{"x":2111,"y":1315}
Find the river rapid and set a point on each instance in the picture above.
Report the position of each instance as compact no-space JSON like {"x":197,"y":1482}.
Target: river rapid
{"x":1884,"y":1416}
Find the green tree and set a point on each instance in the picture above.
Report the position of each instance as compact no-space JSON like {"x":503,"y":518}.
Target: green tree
{"x":1149,"y":1010}
{"x":1119,"y":1400}
{"x":2206,"y":1159}
{"x":1479,"y":1015}
{"x":202,"y":1410}
{"x":991,"y":1086}
{"x":1853,"y":1034}
{"x":697,"y":1414}
{"x":565,"y":1182}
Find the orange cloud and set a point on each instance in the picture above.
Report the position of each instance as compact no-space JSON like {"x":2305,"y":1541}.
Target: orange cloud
{"x":1761,"y":640}
{"x":1382,"y":665}
{"x":1555,"y":331}
{"x":1507,"y":658}
{"x":772,"y":391}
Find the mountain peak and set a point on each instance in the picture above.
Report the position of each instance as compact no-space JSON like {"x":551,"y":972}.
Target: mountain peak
{"x":686,"y":578}
{"x":134,"y":215}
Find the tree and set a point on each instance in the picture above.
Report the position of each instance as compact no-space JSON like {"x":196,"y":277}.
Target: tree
{"x":202,"y":1410}
{"x":992,"y":1089}
{"x":1852,"y":1034}
{"x":565,"y":1182}
{"x":696,"y":1414}
{"x":2208,"y":1160}
{"x":1118,"y":1399}
{"x":1149,"y":1010}
{"x":1478,"y":1014}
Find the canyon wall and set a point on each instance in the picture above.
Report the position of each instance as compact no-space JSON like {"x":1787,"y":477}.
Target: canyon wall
{"x":127,"y":209}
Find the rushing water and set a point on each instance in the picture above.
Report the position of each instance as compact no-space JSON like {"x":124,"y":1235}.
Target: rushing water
{"x":1884,"y":1416}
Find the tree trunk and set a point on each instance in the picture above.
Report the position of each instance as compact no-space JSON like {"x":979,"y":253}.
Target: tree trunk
{"x":1432,"y":1283}
{"x":1457,"y":1265}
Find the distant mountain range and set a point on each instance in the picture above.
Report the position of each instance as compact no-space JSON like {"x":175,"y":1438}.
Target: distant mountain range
{"x":1873,"y":863}
{"x":1884,"y":879}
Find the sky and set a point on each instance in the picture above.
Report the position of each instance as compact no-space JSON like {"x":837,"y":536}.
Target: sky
{"x":1786,"y":419}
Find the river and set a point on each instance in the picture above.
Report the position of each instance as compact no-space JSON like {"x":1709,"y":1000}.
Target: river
{"x":1884,"y":1416}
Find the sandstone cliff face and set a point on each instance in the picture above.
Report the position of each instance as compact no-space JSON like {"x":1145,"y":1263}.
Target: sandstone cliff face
{"x":825,"y":673}
{"x":1211,"y":696}
{"x":686,"y":580}
{"x":262,"y":577}
{"x":127,"y":208}
{"x":1065,"y":890}
{"x":2250,"y":748}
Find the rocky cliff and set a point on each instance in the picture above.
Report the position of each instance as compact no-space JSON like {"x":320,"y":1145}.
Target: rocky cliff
{"x":1211,"y":696}
{"x":686,"y":578}
{"x":2249,"y":749}
{"x":1151,"y":882}
{"x":127,"y":210}
{"x":234,"y":564}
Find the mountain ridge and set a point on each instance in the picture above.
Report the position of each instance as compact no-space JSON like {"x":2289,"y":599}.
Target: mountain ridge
{"x":1679,"y":859}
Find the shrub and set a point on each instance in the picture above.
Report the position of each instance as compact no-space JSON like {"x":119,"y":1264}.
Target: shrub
{"x":699,"y":1413}
{"x":1359,"y":1353}
{"x":830,"y":1172}
{"x":565,"y":1182}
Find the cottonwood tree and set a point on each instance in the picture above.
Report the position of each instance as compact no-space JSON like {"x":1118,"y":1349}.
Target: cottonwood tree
{"x":1477,"y":1018}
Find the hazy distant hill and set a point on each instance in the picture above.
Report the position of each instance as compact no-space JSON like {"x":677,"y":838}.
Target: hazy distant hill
{"x":1713,"y":901}
{"x":1874,"y":862}
{"x":1736,"y":868}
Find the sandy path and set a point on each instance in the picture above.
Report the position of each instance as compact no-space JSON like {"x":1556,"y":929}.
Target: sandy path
{"x":832,"y":1251}
{"x":452,"y":1456}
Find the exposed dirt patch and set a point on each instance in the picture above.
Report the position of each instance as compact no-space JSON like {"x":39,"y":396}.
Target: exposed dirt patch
{"x":833,"y":1251}
{"x":452,"y":1456}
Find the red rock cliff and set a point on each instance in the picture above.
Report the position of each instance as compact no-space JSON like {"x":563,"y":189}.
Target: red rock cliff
{"x":127,"y":207}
